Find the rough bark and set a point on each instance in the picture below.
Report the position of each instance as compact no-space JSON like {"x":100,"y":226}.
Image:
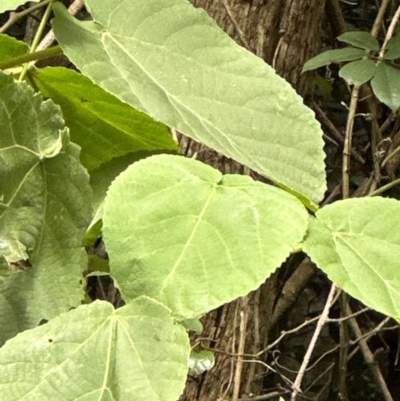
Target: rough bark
{"x":285,"y":34}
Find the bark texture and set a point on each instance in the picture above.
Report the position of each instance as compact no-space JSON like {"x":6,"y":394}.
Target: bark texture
{"x":285,"y":33}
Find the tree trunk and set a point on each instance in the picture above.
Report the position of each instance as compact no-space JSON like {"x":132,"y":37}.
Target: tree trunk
{"x":285,"y":33}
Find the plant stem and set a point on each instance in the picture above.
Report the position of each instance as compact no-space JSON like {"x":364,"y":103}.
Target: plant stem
{"x":385,"y":187}
{"x":14,"y":17}
{"x":321,"y":322}
{"x":37,"y":37}
{"x":347,"y":143}
{"x":50,"y":37}
{"x":16,"y":61}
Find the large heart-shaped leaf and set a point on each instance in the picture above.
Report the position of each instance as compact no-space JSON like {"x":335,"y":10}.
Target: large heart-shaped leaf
{"x":357,"y":243}
{"x":171,"y":60}
{"x":96,"y":353}
{"x":44,"y":211}
{"x":177,"y":230}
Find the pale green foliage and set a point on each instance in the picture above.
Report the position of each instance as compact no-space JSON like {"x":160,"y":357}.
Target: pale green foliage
{"x":102,"y":125}
{"x":42,"y":223}
{"x":189,"y":74}
{"x":357,"y":243}
{"x":192,"y":238}
{"x":100,"y":354}
{"x":175,"y":229}
{"x":8,"y":5}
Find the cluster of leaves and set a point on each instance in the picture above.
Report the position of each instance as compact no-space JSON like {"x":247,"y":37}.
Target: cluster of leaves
{"x":95,"y":158}
{"x":367,"y":61}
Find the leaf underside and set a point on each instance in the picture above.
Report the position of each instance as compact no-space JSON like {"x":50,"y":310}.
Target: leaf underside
{"x":178,"y":231}
{"x":173,"y":62}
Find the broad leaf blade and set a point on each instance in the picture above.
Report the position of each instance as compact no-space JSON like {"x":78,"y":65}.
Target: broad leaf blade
{"x":172,"y":61}
{"x":98,"y":353}
{"x":363,"y":40}
{"x":177,"y":230}
{"x":11,"y":47}
{"x":8,"y":5}
{"x":393,"y":48}
{"x":356,"y":242}
{"x":334,"y":56}
{"x":386,"y":85}
{"x":45,"y":210}
{"x":358,"y":72}
{"x":102,"y":125}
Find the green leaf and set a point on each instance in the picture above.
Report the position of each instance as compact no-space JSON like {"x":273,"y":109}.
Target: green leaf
{"x":363,"y":40}
{"x":98,"y":353}
{"x":11,"y":47}
{"x":334,"y":56}
{"x":45,"y":198}
{"x":386,"y":85}
{"x":356,"y":242}
{"x":171,"y":60}
{"x":7,"y":5}
{"x":102,"y":125}
{"x":100,"y":180}
{"x":192,"y":325}
{"x":358,"y":72}
{"x":393,"y":48}
{"x":101,"y":177}
{"x":177,"y":230}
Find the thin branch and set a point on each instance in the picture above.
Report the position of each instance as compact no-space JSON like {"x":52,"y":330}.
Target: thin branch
{"x":265,"y":396}
{"x":244,"y":315}
{"x":369,"y":357}
{"x":48,"y":40}
{"x":379,"y":17}
{"x":14,"y":17}
{"x":390,"y":31}
{"x":43,"y":54}
{"x":385,"y":187}
{"x":321,"y":322}
{"x":344,"y":347}
{"x":347,"y":143}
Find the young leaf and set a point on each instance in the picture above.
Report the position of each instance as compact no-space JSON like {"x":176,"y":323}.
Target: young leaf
{"x":334,"y":56}
{"x":386,"y":85}
{"x":171,"y":60}
{"x":393,"y":48}
{"x":45,"y":209}
{"x":102,"y":125}
{"x":177,"y":230}
{"x":97,"y":353}
{"x":358,"y":72}
{"x":363,"y":40}
{"x":6,"y":5}
{"x":356,"y":242}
